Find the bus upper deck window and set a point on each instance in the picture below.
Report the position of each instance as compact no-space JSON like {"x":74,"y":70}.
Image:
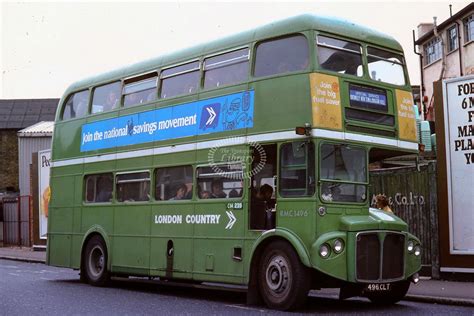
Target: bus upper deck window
{"x":141,"y":89}
{"x":179,"y":80}
{"x":340,"y":56}
{"x":225,"y":69}
{"x":386,"y":66}
{"x":106,"y":97}
{"x":76,"y":105}
{"x":282,"y":55}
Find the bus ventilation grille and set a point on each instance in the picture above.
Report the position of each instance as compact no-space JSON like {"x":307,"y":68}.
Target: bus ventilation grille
{"x":377,"y":263}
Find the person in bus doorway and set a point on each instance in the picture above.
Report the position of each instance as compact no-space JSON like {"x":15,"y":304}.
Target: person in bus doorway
{"x":265,"y":194}
{"x":381,"y":202}
{"x":218,"y":189}
{"x":181,"y":191}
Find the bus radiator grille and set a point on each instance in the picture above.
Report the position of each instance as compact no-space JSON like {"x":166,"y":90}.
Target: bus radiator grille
{"x":377,"y":261}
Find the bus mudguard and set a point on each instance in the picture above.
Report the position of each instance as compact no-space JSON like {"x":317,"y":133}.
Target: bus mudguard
{"x":98,"y":230}
{"x":287,"y":235}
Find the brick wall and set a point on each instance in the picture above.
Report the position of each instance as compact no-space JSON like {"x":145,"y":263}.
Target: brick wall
{"x":8,"y":159}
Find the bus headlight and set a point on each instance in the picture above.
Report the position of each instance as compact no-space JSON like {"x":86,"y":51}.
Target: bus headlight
{"x":410,"y":246}
{"x":417,"y":250}
{"x":338,"y":246}
{"x":324,"y":250}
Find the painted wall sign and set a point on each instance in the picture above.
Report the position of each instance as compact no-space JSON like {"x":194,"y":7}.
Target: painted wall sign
{"x":459,"y":136}
{"x":326,"y":101}
{"x":44,"y":161}
{"x":224,"y":113}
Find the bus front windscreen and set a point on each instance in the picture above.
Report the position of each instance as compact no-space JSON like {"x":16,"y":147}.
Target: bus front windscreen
{"x":343,"y":173}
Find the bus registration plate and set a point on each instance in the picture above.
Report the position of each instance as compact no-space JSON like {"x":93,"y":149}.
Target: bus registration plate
{"x":378,"y":287}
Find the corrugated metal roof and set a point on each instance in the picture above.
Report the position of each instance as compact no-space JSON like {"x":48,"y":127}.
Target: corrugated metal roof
{"x":41,"y":129}
{"x":21,"y":113}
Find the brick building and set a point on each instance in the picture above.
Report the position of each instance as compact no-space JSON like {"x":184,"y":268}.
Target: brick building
{"x":446,"y":51}
{"x":16,"y":114}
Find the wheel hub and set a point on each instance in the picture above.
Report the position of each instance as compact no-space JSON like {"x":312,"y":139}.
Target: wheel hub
{"x":277,"y":274}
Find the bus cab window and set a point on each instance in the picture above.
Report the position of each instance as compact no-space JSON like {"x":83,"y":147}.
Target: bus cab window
{"x":174,"y":183}
{"x":282,"y":55}
{"x":76,"y":105}
{"x":343,"y":173}
{"x":220,"y":181}
{"x":99,"y":188}
{"x":133,"y":187}
{"x":340,"y":56}
{"x":106,"y":97}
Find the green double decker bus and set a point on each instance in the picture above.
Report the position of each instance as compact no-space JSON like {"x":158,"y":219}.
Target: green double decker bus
{"x":242,"y":161}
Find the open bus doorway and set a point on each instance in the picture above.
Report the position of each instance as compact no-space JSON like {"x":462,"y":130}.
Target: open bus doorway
{"x":263,"y":187}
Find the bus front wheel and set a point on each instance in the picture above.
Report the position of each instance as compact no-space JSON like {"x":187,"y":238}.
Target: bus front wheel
{"x":283,"y":280}
{"x":95,"y":262}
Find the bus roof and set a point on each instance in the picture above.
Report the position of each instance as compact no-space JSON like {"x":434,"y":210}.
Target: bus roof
{"x":294,"y":24}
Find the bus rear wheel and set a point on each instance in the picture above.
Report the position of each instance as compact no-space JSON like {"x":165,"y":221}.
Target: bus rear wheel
{"x":396,"y":293}
{"x":95,"y":262}
{"x":283,"y":280}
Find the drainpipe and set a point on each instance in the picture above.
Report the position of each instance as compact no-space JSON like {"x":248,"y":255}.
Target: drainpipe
{"x":443,"y":57}
{"x":422,"y":85}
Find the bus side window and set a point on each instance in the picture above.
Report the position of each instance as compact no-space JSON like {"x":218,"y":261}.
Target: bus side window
{"x":297,"y":169}
{"x":98,"y":188}
{"x":106,"y":97}
{"x":282,"y":55}
{"x":174,"y":183}
{"x":220,"y":181}
{"x":141,"y":89}
{"x":340,"y":56}
{"x":226,"y":69}
{"x":133,"y":187}
{"x":180,"y":80}
{"x":76,"y":105}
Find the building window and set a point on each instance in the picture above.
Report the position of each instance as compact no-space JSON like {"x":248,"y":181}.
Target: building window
{"x":433,"y":51}
{"x":452,"y":36}
{"x":469,"y":28}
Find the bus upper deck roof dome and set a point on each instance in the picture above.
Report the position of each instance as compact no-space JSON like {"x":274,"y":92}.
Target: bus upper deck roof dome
{"x":299,"y":23}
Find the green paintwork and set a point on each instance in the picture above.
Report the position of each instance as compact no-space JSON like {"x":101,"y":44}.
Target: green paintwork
{"x":137,"y":245}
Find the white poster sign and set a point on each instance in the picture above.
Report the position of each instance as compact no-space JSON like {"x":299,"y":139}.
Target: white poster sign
{"x":44,"y":160}
{"x":459,"y":136}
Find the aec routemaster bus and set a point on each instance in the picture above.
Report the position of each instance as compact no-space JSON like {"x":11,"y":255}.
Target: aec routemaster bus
{"x":243,"y":161}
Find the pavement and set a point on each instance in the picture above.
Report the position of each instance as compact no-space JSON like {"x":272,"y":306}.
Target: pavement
{"x":427,"y":290}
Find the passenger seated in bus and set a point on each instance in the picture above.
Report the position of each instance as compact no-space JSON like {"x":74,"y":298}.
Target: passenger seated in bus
{"x":206,"y":195}
{"x":181,"y":191}
{"x":234,"y":193}
{"x":104,"y":184}
{"x":218,"y":189}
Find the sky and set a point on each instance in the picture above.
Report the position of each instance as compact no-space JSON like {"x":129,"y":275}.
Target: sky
{"x":46,"y":46}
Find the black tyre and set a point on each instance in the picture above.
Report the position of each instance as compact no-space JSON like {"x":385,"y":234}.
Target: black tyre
{"x":283,"y":280}
{"x":396,"y":293}
{"x":95,"y":262}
